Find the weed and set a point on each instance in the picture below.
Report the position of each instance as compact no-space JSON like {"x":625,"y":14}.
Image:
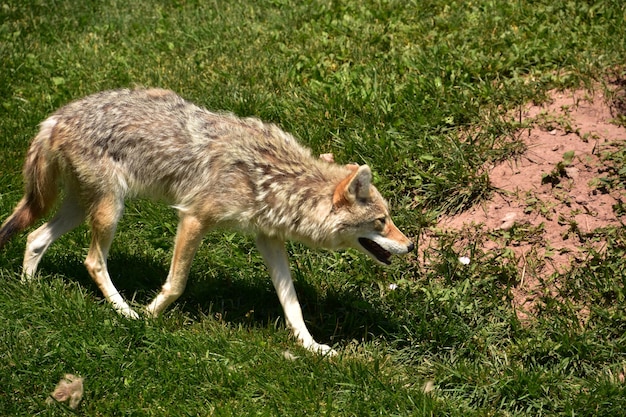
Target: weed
{"x":560,"y":170}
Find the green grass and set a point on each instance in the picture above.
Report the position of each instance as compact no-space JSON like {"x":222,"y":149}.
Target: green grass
{"x":416,"y":89}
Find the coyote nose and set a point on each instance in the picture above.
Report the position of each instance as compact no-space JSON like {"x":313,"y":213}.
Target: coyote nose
{"x":410,"y":247}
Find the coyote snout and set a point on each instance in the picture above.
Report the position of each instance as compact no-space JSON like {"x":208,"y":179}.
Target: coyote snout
{"x":380,"y":246}
{"x":216,"y":170}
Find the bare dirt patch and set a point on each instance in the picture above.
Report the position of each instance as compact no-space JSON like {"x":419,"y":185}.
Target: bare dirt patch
{"x":551,"y":204}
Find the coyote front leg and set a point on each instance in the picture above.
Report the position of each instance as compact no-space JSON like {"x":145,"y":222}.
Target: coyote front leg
{"x":188,"y":237}
{"x":275,"y":256}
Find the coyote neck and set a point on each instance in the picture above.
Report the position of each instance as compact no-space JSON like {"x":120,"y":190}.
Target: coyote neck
{"x":296,"y":211}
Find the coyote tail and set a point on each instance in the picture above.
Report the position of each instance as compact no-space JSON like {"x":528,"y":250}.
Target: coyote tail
{"x":40,"y":186}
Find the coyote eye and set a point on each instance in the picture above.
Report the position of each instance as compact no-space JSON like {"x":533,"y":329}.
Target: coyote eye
{"x":380,"y":223}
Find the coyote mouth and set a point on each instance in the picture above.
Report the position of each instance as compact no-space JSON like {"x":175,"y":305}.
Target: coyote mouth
{"x":381,"y":254}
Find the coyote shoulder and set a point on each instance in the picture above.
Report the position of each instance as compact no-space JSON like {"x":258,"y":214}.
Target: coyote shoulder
{"x":216,"y":170}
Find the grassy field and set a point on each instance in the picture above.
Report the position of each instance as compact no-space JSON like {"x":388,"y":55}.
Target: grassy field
{"x":416,"y":89}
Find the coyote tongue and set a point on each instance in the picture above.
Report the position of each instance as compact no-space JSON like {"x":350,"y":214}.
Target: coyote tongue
{"x":375,"y":249}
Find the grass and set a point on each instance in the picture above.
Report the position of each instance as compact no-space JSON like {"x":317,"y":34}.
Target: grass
{"x":416,"y":89}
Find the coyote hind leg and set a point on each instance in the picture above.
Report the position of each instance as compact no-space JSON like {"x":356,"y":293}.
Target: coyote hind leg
{"x":70,"y":215}
{"x":104,"y":215}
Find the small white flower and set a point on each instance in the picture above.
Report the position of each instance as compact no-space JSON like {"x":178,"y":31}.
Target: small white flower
{"x":393,"y":287}
{"x":464,"y":260}
{"x":289,"y":356}
{"x":429,"y":386}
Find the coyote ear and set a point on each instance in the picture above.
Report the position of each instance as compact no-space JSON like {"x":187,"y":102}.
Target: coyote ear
{"x":355,"y":186}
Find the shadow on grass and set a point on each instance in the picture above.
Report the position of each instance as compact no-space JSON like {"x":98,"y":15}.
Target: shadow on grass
{"x":334,"y":317}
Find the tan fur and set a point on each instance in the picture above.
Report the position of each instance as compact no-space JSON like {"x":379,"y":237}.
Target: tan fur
{"x":217,"y":170}
{"x":40,"y":193}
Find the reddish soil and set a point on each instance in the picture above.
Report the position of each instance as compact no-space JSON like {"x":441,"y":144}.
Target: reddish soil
{"x":549,"y":207}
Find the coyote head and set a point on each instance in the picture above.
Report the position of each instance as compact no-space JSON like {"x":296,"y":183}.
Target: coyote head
{"x":364,"y":220}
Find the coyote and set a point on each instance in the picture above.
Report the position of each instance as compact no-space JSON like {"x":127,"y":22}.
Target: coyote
{"x":216,"y":170}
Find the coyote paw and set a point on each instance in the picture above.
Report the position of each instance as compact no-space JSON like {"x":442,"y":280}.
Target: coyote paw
{"x":128,"y":312}
{"x":321,"y":349}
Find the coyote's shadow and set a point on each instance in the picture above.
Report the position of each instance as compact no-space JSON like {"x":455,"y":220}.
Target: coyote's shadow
{"x":334,"y":317}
